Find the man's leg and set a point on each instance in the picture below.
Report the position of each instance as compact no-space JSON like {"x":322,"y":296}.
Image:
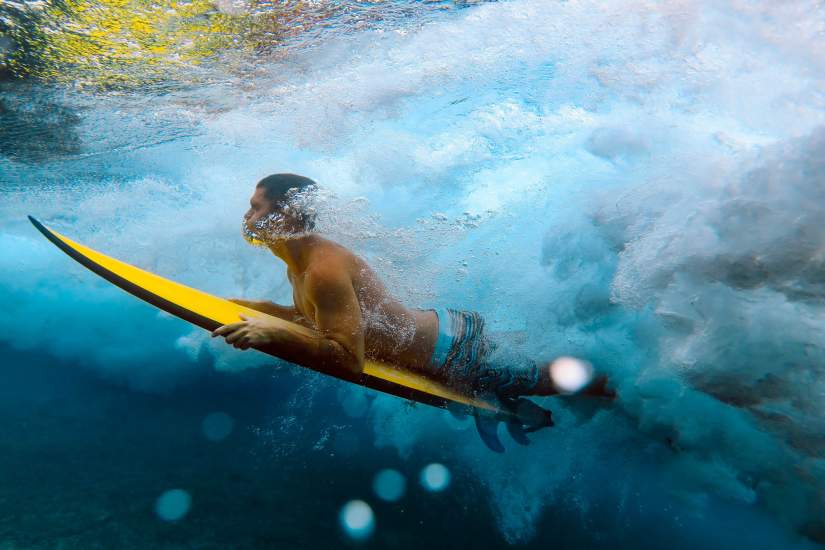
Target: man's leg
{"x":509,"y":372}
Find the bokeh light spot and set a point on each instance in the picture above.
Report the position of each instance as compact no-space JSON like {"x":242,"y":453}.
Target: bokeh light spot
{"x":435,"y":477}
{"x":217,"y":426}
{"x":389,"y":485}
{"x":173,"y":505}
{"x":357,"y":519}
{"x":570,"y":374}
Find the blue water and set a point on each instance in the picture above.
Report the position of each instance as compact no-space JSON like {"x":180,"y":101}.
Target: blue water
{"x":633,"y":183}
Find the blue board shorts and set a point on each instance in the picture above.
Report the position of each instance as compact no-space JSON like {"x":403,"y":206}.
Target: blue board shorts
{"x":466,"y":356}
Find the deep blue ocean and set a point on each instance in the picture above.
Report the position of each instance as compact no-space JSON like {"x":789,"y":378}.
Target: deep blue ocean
{"x":639,"y":184}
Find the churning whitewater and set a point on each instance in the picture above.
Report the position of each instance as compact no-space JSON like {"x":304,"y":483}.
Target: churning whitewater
{"x":638,"y":184}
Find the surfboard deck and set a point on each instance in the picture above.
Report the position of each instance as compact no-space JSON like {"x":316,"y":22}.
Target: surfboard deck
{"x":209,"y":312}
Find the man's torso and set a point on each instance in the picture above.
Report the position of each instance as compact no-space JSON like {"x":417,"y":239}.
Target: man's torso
{"x":393,"y":333}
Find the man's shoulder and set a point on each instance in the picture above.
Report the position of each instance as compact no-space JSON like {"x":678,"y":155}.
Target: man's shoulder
{"x":332,"y":268}
{"x":326,"y":283}
{"x":332,"y":264}
{"x":330,"y":256}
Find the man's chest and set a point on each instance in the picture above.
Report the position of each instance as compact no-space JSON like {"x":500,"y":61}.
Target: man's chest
{"x":299,"y":297}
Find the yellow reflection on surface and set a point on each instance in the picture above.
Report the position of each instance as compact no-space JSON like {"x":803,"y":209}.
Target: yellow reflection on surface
{"x":122,"y":43}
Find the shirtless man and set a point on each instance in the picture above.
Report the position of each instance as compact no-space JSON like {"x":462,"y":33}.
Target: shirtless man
{"x":353,"y":316}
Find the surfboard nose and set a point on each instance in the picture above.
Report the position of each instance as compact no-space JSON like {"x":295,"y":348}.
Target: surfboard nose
{"x":42,"y":228}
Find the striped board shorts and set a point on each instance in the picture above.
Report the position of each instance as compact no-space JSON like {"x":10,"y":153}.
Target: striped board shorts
{"x":465,"y":356}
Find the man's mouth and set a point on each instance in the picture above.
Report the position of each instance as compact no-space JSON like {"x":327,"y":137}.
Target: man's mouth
{"x":251,"y":236}
{"x":265,"y":230}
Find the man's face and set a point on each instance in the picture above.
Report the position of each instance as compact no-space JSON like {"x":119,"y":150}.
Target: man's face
{"x":259,"y":208}
{"x":266,"y":220}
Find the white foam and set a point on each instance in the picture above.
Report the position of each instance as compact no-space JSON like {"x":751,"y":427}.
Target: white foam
{"x":641,"y":184}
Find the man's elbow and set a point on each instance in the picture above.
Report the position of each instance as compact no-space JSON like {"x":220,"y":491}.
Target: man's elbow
{"x":342,"y":359}
{"x":352,"y":363}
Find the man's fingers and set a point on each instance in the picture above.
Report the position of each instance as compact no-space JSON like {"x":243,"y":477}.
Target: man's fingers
{"x":226,"y":329}
{"x":235,"y":336}
{"x":242,"y":343}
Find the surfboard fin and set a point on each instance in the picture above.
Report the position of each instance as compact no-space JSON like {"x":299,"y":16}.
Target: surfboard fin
{"x":527,"y":417}
{"x":517,"y":432}
{"x":531,"y":416}
{"x":487,"y":427}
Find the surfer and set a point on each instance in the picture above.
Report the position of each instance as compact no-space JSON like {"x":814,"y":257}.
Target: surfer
{"x":354,"y":317}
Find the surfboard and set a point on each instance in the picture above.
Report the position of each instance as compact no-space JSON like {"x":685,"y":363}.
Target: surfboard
{"x":209,"y":312}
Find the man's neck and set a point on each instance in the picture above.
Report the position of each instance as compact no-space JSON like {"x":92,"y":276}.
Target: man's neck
{"x":294,"y":250}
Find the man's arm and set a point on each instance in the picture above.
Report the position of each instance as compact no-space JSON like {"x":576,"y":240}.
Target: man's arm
{"x":337,"y":315}
{"x":337,"y":345}
{"x":287,"y":313}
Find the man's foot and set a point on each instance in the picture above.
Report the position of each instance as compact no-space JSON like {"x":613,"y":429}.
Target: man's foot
{"x":562,"y":376}
{"x":598,"y":388}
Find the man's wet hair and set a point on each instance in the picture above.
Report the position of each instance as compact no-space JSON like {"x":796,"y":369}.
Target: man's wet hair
{"x":279,"y":188}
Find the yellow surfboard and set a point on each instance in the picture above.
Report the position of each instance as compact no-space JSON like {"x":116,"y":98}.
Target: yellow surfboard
{"x":209,"y":312}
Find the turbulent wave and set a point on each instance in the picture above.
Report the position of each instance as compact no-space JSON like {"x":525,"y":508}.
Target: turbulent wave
{"x":638,"y":183}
